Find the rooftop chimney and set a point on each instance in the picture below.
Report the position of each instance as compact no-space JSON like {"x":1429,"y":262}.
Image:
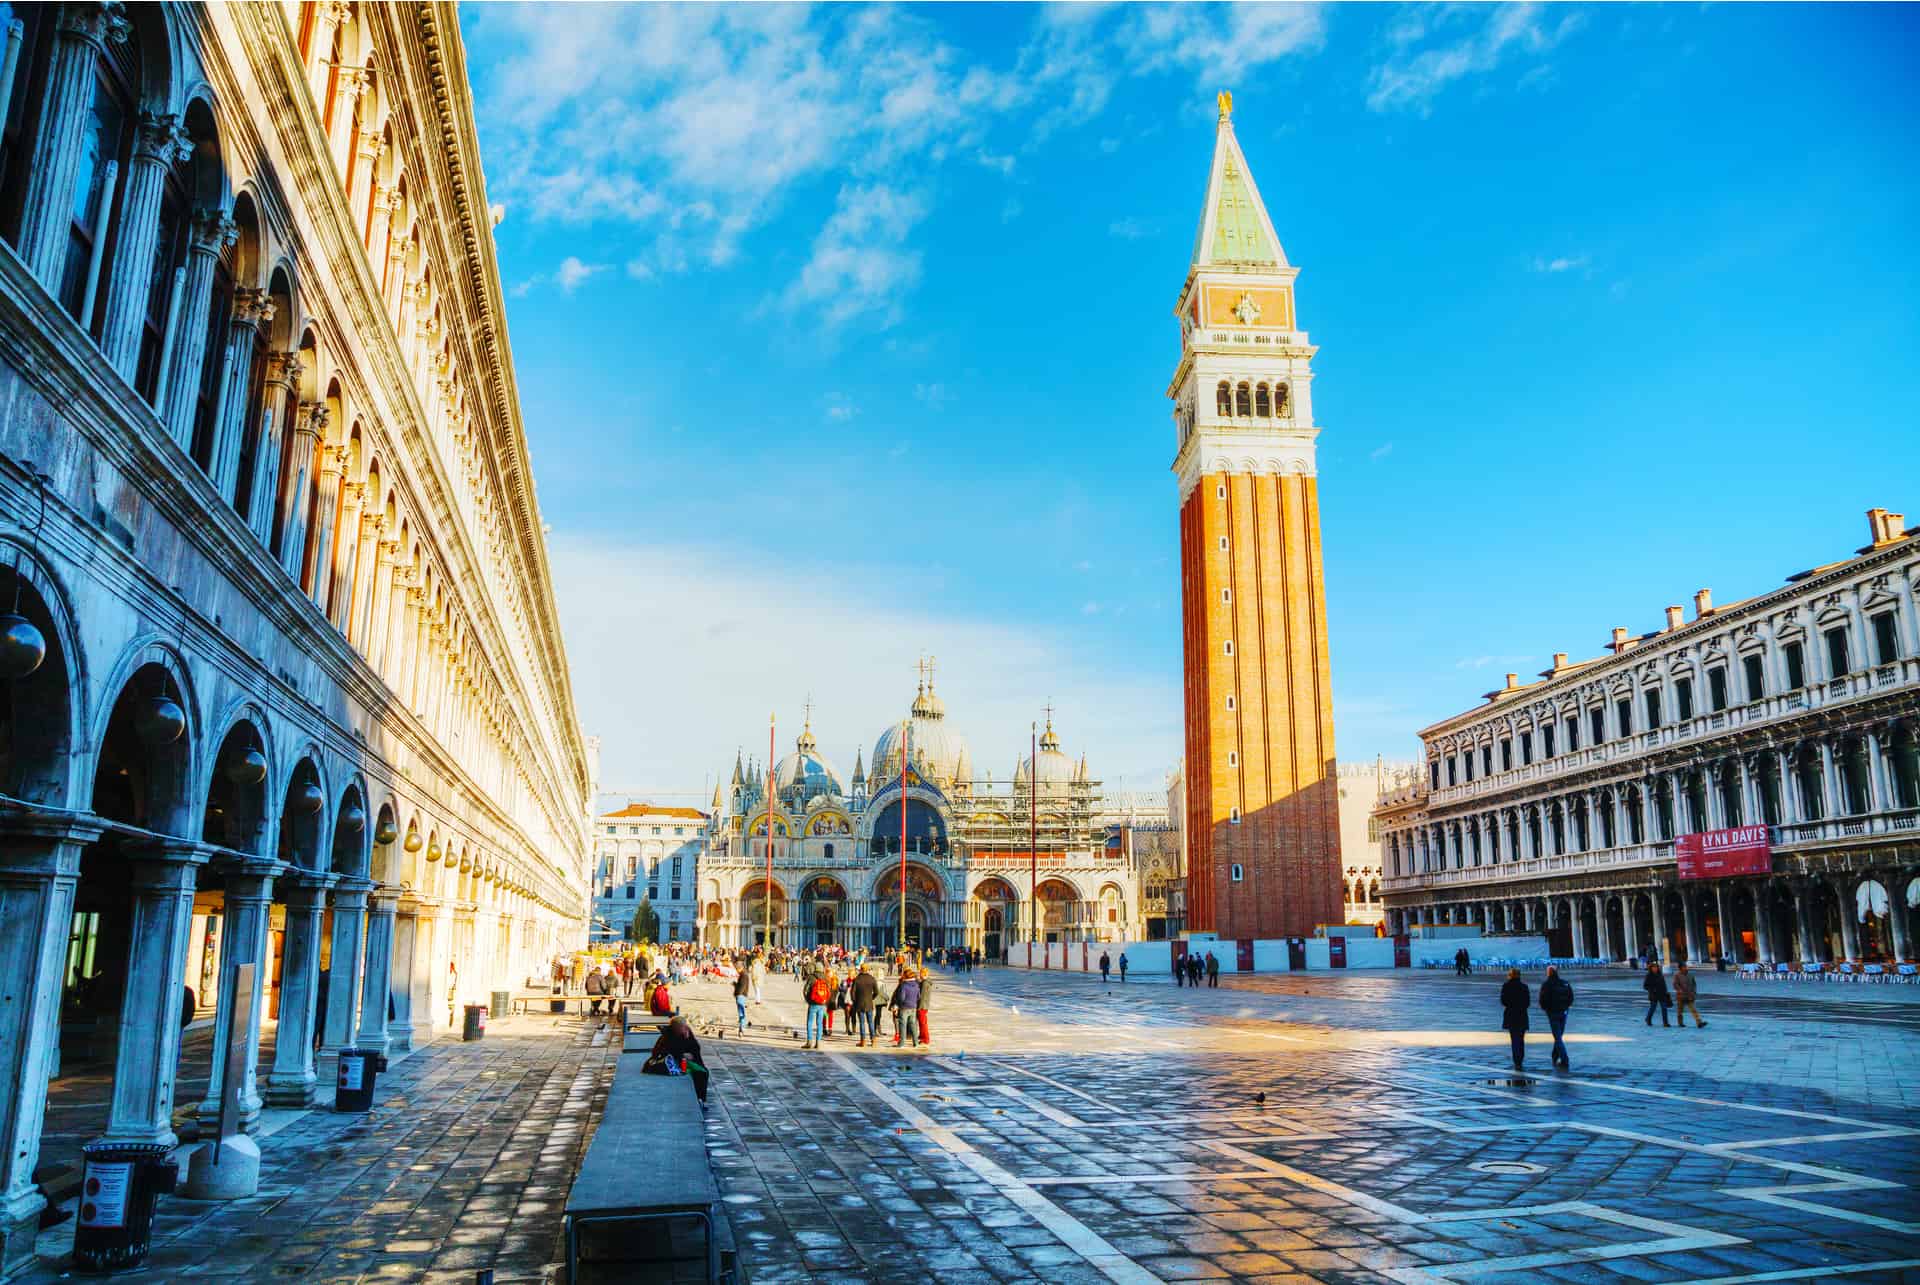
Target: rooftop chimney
{"x":1559,"y":661}
{"x":1619,"y":639}
{"x":1703,"y":603}
{"x":1885,"y":527}
{"x":1513,"y":681}
{"x":1673,"y":617}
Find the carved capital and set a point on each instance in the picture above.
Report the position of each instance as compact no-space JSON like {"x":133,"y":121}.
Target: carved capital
{"x":311,"y":419}
{"x":352,"y":494}
{"x":373,"y":144}
{"x":390,"y":551}
{"x":353,"y":82}
{"x":334,"y":12}
{"x":284,"y":367}
{"x":211,"y":231}
{"x":160,"y":139}
{"x":251,"y":308}
{"x":99,"y":22}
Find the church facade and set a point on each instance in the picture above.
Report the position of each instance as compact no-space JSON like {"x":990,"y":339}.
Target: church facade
{"x":920,"y":841}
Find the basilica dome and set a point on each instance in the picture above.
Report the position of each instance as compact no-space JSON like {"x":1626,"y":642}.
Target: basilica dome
{"x":805,"y":773}
{"x":935,"y":750}
{"x":1055,"y":773}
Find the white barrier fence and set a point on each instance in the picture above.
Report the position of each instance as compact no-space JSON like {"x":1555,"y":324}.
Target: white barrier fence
{"x":1279,"y":955}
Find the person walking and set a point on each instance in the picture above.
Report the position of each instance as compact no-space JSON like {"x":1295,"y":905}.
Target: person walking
{"x":866,"y":992}
{"x":1556,"y":997}
{"x":757,"y":970}
{"x":920,"y":1007}
{"x":1179,"y":971}
{"x":1462,"y":964}
{"x":1123,"y":968}
{"x":1514,"y":1000}
{"x":1196,"y":968}
{"x":1686,"y":987}
{"x":816,"y":993}
{"x":1655,"y":985}
{"x":906,"y":998}
{"x":741,"y":988}
{"x":1106,"y":965}
{"x":1213,"y":971}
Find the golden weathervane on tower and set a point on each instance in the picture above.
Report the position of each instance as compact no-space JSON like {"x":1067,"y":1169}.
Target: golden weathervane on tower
{"x":1226,"y":104}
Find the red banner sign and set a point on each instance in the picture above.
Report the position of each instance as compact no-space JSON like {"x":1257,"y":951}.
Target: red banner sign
{"x":1722,"y":854}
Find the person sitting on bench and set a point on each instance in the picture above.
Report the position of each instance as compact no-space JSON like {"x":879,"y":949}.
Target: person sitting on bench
{"x":677,"y":1052}
{"x":660,"y":1003}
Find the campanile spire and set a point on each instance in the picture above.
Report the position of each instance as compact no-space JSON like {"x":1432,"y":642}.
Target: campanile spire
{"x":1262,"y":822}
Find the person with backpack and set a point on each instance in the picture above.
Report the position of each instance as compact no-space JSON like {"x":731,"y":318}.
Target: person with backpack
{"x":920,"y":1007}
{"x":818,"y":991}
{"x":866,"y":993}
{"x":1655,"y":985}
{"x":906,"y":998}
{"x":1556,"y":997}
{"x":741,"y":988}
{"x":677,"y":1052}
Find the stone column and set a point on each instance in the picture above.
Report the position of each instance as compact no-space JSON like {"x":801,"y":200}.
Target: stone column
{"x":39,"y":870}
{"x":1897,"y":916}
{"x":1629,"y":928}
{"x":209,"y":232}
{"x":292,"y":1082}
{"x":343,"y":975}
{"x":440,"y":968}
{"x":345,"y":563}
{"x":332,"y":461}
{"x":1581,"y":946}
{"x":283,"y":377}
{"x":1829,"y":792}
{"x":1694,"y":924}
{"x":1803,"y":924}
{"x":1849,"y":918}
{"x":164,"y":877}
{"x":159,"y":144}
{"x":309,"y":423}
{"x":372,"y":147}
{"x":1879,"y":797}
{"x":366,"y":571}
{"x":251,"y":312}
{"x":413,"y":945}
{"x":1729,"y":937}
{"x":378,"y":987}
{"x":1792,"y":807}
{"x":1662,"y":942}
{"x":249,"y":897}
{"x":81,"y":33}
{"x":1600,"y":947}
{"x":385,"y":198}
{"x":1763,"y":923}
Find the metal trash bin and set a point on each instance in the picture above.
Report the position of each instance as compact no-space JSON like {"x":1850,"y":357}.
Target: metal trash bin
{"x":353,"y":1081}
{"x":502,"y":1003}
{"x":117,"y":1187}
{"x":476,"y":1023}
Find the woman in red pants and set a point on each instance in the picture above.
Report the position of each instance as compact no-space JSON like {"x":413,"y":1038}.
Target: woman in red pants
{"x":920,"y":1008}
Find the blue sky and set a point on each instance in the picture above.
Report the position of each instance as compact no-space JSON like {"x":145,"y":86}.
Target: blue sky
{"x":843,"y":336}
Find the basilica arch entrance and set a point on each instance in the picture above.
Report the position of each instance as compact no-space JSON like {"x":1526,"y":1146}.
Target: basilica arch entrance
{"x":926,"y":927}
{"x":998,"y":901}
{"x":820,"y":905}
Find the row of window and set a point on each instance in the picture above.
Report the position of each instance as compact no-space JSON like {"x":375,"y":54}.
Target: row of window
{"x":1249,"y":400}
{"x":1688,"y":801}
{"x":634,"y":829}
{"x":1549,"y":739}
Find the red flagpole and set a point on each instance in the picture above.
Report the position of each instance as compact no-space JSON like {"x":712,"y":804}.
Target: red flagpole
{"x":767,"y":891}
{"x":1033,"y":836}
{"x":904,"y":733}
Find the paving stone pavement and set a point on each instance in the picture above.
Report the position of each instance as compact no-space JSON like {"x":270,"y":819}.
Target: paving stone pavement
{"x":1064,"y":1130}
{"x":464,"y":1164}
{"x":1060,"y":1130}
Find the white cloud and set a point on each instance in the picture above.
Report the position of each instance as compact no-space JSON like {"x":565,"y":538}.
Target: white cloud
{"x":569,"y":276}
{"x":690,"y":127}
{"x":1381,"y":451}
{"x":859,"y":264}
{"x":840,"y":407}
{"x":1130,"y":228}
{"x":1434,"y":47}
{"x":709,"y":671}
{"x":1560,"y":263}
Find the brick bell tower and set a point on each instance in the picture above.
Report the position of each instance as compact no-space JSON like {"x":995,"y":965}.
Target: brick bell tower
{"x":1263,"y":834}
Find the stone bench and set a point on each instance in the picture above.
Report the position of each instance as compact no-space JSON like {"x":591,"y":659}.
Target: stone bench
{"x":647,"y":1164}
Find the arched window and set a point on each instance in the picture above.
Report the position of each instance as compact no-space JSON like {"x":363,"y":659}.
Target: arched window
{"x":17,"y":132}
{"x":1243,"y":400}
{"x":106,"y":152}
{"x":1223,"y":398}
{"x":1262,"y":403}
{"x":1280,"y":404}
{"x":169,"y":253}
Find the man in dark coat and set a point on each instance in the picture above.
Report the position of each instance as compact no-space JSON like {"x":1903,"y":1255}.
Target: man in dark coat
{"x":1213,"y":969}
{"x":1556,"y":997}
{"x":866,"y":991}
{"x":1655,"y":985}
{"x":1106,"y":966}
{"x":1179,"y":971}
{"x":1515,"y":997}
